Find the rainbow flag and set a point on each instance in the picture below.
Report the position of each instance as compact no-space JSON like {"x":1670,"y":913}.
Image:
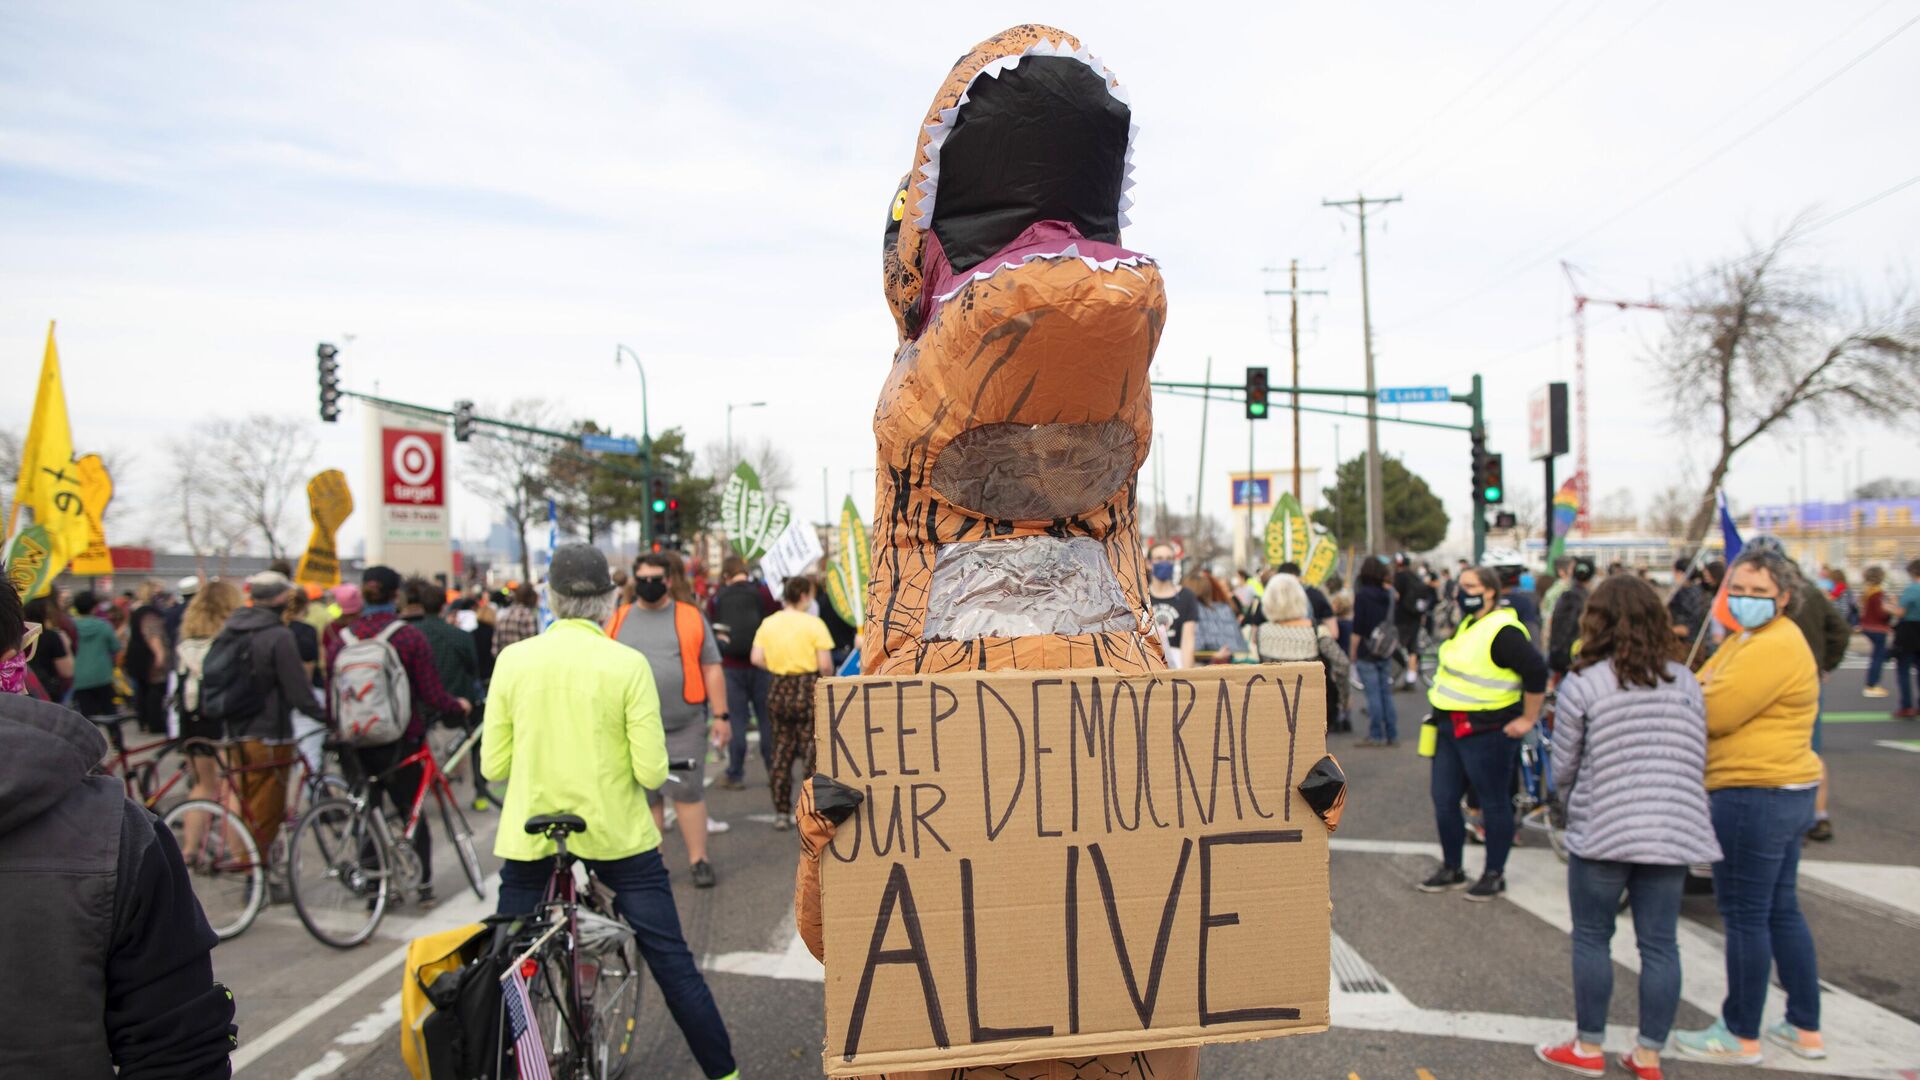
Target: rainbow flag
{"x":1566,"y":510}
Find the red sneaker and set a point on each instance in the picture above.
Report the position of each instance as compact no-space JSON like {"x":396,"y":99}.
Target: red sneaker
{"x":1567,"y":1055}
{"x":1644,"y":1072}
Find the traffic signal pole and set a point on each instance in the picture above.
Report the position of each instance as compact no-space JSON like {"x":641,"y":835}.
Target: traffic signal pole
{"x":1475,"y":400}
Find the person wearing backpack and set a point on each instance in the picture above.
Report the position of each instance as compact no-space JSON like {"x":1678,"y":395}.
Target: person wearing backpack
{"x":736,"y":610}
{"x":206,"y":615}
{"x":383,"y":688}
{"x":1373,"y":651}
{"x":251,"y":682}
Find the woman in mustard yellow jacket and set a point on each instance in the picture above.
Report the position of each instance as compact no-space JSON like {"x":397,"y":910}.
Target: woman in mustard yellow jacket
{"x":1762,"y":691}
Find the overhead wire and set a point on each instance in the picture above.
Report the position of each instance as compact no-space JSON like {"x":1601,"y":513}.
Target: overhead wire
{"x":1505,"y":274}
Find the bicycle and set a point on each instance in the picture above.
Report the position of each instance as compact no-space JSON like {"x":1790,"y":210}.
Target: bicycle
{"x":1535,"y":792}
{"x":582,"y":968}
{"x":347,"y":858}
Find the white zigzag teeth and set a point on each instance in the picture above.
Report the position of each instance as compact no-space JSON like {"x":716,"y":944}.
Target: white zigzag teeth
{"x":942,"y":126}
{"x":1071,"y":251}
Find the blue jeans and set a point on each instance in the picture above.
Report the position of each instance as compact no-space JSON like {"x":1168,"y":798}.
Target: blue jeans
{"x":1877,"y":659}
{"x":1906,"y":672}
{"x":645,"y":900}
{"x":1755,"y":887}
{"x":747,"y":697}
{"x":1376,"y":676}
{"x":1593,"y":891}
{"x":1486,"y":763}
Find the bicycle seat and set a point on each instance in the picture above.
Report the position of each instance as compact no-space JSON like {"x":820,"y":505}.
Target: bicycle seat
{"x":555,"y":824}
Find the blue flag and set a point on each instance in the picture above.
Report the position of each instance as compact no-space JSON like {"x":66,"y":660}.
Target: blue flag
{"x":1729,"y":532}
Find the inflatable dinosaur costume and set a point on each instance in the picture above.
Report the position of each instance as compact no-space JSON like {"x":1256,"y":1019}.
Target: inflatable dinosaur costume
{"x":1017,"y":413}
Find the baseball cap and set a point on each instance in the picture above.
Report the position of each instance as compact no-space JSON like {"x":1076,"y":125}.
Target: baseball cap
{"x":579,"y":570}
{"x":268,"y":585}
{"x":1582,"y":568}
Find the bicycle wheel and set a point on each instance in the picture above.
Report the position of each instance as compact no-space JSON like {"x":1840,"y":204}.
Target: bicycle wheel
{"x":611,"y":977}
{"x":223,"y":862}
{"x":551,"y":995}
{"x":338,"y":872}
{"x":462,"y":837}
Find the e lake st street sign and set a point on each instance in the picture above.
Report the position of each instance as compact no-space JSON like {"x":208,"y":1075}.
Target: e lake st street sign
{"x":608,"y":444}
{"x":1413,"y":395}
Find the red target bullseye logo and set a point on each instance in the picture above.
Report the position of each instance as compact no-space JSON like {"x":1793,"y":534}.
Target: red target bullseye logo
{"x":413,"y":467}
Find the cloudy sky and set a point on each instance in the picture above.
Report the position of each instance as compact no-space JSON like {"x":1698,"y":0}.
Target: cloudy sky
{"x":489,"y":197}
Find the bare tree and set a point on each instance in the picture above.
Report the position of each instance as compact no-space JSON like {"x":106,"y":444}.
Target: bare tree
{"x":1615,"y":509}
{"x":1668,"y":511}
{"x":198,"y":503}
{"x":771,"y":462}
{"x":258,"y":464}
{"x":510,"y":470}
{"x":1888,"y":487}
{"x":10,"y":446}
{"x":1760,"y":341}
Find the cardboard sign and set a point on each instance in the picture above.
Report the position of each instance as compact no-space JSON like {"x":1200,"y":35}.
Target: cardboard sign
{"x":412,"y":467}
{"x":795,"y":550}
{"x":1068,"y":863}
{"x":96,"y":489}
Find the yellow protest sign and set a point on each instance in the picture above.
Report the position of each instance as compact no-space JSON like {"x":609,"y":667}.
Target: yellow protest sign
{"x":96,"y":487}
{"x":329,"y":503}
{"x":49,"y":485}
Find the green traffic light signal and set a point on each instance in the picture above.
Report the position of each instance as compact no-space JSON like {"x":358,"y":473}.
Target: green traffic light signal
{"x":1492,"y":495}
{"x":1257,"y":408}
{"x":659,"y":506}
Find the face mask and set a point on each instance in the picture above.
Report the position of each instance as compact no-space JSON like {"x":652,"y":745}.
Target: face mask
{"x":1163,"y":571}
{"x":1826,"y":584}
{"x":13,"y":674}
{"x":1471,"y":603}
{"x":1752,"y":612}
{"x":650,"y":589}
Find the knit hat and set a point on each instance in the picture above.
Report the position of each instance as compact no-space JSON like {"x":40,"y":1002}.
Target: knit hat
{"x":348,"y":597}
{"x":267,"y":586}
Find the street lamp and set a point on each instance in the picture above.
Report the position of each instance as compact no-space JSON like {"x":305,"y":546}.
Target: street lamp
{"x":646,"y":435}
{"x":732,"y":405}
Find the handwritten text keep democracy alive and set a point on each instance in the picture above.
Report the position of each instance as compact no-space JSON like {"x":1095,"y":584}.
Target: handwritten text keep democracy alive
{"x":1101,"y":738}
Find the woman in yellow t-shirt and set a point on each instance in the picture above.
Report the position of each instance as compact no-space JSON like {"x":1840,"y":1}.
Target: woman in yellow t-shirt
{"x":794,"y":645}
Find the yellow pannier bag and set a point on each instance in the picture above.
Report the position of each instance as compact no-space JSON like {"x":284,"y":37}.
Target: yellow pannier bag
{"x":428,"y":958}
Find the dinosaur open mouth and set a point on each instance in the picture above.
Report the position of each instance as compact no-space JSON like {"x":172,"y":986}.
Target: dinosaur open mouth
{"x":1025,"y":586}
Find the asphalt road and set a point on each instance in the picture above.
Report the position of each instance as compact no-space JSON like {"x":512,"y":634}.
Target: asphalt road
{"x":1426,"y":987}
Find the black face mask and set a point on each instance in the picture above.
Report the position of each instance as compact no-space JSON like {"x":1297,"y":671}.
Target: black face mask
{"x":1471,"y":603}
{"x":650,"y":589}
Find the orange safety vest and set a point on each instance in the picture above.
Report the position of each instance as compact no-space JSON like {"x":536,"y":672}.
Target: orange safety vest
{"x":691,"y":629}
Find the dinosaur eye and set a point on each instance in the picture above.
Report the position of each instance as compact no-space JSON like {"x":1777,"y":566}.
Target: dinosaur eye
{"x":899,"y":205}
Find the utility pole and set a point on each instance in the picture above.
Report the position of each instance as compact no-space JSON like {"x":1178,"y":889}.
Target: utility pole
{"x":1376,"y":502}
{"x":1293,"y":293}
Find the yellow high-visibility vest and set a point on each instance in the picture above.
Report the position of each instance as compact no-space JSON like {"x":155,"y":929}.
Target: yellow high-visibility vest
{"x":1468,"y":679}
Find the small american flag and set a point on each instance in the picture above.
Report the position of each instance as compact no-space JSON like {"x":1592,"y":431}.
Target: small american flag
{"x":527,"y":1047}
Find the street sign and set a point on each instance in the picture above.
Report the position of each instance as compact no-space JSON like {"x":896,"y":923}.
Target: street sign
{"x":607,"y":444}
{"x":1256,"y":490}
{"x":1413,"y":395}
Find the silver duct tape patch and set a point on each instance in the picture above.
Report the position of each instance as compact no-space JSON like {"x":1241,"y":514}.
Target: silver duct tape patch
{"x":1024,"y":587}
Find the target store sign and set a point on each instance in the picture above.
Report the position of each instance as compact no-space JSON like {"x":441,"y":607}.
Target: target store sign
{"x":413,"y":467}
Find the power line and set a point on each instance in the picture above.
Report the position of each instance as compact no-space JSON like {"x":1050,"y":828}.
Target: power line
{"x":1502,"y":278}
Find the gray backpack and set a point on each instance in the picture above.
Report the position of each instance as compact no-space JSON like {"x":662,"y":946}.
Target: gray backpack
{"x":372,"y":698}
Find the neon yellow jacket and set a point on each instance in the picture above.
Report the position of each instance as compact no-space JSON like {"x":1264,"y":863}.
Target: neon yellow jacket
{"x":573,"y":723}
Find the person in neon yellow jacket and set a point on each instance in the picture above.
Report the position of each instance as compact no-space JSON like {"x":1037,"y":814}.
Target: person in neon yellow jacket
{"x":1486,"y":695}
{"x":573,"y":721}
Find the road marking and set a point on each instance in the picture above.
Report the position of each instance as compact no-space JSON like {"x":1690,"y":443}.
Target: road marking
{"x":1856,"y":718}
{"x":326,"y":1066}
{"x":1888,"y":891}
{"x":1911,"y":746}
{"x":789,"y":958}
{"x":1422,"y":1074}
{"x":454,"y":913}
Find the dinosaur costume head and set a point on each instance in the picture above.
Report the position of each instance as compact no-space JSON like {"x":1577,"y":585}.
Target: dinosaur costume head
{"x":1017,"y":412}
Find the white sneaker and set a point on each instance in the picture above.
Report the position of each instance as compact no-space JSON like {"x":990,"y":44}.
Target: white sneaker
{"x":715,"y":825}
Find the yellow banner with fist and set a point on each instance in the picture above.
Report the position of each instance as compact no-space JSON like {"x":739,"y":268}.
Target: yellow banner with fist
{"x":329,"y":503}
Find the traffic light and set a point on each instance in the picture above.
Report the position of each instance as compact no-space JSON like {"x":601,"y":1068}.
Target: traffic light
{"x":1256,"y":393}
{"x":673,"y":516}
{"x":329,"y":383}
{"x":1488,"y":486}
{"x":1479,"y":469}
{"x":462,"y":421}
{"x":657,"y":506}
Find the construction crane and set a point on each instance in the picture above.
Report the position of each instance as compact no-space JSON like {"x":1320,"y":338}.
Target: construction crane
{"x":1582,"y":479}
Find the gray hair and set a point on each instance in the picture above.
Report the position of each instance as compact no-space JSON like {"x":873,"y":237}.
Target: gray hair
{"x":594,"y":609}
{"x":1284,"y":600}
{"x":1784,"y":572}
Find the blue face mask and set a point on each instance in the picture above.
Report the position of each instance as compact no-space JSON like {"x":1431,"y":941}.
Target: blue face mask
{"x":1163,"y":571}
{"x":1752,"y":612}
{"x":1826,"y":584}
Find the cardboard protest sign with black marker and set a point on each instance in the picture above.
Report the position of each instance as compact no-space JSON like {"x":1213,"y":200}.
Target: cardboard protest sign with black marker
{"x":1059,"y":863}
